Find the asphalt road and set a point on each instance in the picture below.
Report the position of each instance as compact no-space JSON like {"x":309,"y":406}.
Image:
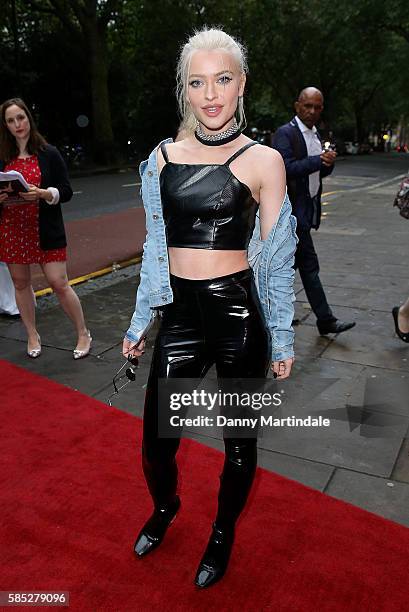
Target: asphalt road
{"x":111,"y":193}
{"x":366,"y":170}
{"x":103,"y":194}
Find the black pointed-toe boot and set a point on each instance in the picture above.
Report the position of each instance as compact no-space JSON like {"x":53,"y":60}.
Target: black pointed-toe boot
{"x":153,"y":532}
{"x":215,"y":560}
{"x":235,"y":484}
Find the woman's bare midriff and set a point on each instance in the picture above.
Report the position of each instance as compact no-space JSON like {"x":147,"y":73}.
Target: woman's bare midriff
{"x":198,"y":264}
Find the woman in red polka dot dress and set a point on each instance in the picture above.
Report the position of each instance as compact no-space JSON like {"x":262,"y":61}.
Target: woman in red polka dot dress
{"x":33,"y":231}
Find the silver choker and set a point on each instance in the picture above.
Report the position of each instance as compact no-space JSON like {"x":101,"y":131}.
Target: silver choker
{"x":218,"y":139}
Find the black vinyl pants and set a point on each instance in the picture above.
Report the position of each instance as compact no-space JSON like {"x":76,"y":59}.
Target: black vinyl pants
{"x":217,"y":321}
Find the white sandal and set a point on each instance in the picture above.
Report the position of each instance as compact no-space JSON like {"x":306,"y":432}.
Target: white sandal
{"x":80,"y":354}
{"x":35,"y":352}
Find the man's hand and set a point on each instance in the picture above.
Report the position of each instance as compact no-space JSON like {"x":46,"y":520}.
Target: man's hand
{"x":282,"y":368}
{"x":3,"y":196}
{"x":328,"y":157}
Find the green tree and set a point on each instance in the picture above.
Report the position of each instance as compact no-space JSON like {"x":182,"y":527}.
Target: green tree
{"x":115,"y":61}
{"x":90,"y":20}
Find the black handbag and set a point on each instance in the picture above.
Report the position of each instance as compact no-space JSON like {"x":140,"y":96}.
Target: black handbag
{"x":402,"y":198}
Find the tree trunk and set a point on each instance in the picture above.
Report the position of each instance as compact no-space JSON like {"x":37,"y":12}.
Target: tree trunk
{"x":359,"y":124}
{"x":103,"y":137}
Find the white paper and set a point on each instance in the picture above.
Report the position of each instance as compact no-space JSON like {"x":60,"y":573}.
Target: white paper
{"x":13,"y":183}
{"x":13,"y":175}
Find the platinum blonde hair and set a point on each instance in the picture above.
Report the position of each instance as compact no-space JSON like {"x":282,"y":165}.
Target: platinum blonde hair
{"x":207,"y":39}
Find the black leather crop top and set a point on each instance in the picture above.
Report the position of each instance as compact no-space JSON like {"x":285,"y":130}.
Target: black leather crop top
{"x":205,"y":206}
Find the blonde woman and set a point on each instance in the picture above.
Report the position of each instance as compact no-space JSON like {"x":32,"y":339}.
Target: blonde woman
{"x":214,"y":201}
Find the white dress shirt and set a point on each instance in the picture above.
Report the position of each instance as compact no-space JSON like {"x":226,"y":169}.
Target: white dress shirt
{"x":314,"y":147}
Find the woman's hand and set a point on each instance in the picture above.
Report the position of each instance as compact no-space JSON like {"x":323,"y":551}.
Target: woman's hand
{"x":35,"y":193}
{"x":3,"y":197}
{"x":129,"y":350}
{"x":282,"y":368}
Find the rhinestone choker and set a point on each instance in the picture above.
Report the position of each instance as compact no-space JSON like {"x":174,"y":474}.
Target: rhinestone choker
{"x":215,"y":140}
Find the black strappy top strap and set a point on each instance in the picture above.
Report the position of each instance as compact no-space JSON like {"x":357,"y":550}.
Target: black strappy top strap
{"x":164,"y":152}
{"x":239,"y":152}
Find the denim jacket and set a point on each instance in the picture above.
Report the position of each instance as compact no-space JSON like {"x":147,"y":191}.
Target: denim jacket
{"x":271,"y":260}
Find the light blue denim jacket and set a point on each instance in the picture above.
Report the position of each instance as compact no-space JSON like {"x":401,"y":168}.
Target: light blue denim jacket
{"x":271,"y":259}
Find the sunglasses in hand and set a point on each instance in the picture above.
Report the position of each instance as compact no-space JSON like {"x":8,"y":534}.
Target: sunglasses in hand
{"x":130,"y":366}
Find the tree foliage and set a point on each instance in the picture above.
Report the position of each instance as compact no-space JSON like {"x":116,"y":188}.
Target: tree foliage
{"x":114,"y":61}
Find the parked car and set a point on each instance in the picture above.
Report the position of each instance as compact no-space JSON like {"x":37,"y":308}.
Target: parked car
{"x":351,"y":148}
{"x":364,"y":148}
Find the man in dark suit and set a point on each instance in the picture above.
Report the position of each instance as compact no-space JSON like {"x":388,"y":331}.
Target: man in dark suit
{"x":306,"y":164}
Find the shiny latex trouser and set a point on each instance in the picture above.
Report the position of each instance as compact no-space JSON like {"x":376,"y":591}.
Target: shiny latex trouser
{"x":217,"y":321}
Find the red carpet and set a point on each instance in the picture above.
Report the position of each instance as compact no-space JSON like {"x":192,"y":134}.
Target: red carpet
{"x":73,"y":498}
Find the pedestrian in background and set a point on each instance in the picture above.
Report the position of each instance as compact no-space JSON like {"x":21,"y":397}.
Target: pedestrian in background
{"x":306,"y":164}
{"x":33,"y":231}
{"x":401,"y":320}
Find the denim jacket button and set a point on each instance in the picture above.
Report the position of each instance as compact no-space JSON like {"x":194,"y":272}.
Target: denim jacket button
{"x":150,"y":173}
{"x":155,"y":217}
{"x":161,"y":258}
{"x":164,"y":298}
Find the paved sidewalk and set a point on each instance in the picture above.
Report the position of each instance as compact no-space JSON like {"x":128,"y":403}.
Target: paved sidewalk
{"x":363,"y":457}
